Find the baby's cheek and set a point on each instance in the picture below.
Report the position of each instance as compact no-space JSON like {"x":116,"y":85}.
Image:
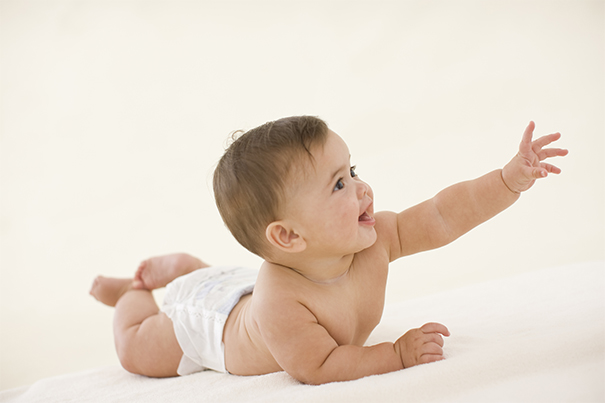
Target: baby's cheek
{"x":352,"y":214}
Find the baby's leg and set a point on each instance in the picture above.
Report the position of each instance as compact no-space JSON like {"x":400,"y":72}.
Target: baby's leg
{"x":157,"y":272}
{"x":108,"y":290}
{"x":144,"y":336}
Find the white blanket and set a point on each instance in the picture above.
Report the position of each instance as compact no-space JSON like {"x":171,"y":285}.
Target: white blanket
{"x":536,"y":337}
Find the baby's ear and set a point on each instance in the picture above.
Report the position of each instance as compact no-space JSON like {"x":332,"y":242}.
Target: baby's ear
{"x":283,"y":237}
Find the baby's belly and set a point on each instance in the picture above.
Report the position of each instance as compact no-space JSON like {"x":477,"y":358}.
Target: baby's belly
{"x":245,"y":351}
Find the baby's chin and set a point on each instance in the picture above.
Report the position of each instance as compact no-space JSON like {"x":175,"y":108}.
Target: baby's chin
{"x":370,"y":242}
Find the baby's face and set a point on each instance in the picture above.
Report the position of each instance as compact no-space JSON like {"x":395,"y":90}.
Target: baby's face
{"x":331,"y":207}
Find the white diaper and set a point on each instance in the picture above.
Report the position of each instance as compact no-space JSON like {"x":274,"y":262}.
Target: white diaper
{"x":199,"y":304}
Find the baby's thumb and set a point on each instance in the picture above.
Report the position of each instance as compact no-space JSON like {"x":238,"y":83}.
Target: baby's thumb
{"x":539,"y":173}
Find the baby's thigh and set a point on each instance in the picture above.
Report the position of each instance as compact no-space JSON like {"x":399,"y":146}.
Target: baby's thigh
{"x":154,"y":349}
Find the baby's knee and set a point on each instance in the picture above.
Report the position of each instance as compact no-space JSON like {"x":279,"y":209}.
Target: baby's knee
{"x":134,"y":362}
{"x":143,"y":351}
{"x":127,"y":355}
{"x":129,"y":365}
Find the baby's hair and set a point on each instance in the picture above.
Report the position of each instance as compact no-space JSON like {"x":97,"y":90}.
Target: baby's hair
{"x":249,"y":180}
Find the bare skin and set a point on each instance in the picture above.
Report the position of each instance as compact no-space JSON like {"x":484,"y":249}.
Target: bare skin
{"x":322,"y":292}
{"x":144,"y":336}
{"x":158,"y":271}
{"x":109,"y":290}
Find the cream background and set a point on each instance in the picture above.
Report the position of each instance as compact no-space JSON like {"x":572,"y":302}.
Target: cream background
{"x":113,"y":115}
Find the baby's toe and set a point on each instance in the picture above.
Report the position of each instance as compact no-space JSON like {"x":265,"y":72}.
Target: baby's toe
{"x":141,"y":267}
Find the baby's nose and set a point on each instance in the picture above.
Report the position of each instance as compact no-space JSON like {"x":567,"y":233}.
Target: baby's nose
{"x":362,"y":189}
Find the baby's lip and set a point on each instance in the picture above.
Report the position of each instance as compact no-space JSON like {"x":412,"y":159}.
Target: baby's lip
{"x":365,"y":217}
{"x":366,"y":214}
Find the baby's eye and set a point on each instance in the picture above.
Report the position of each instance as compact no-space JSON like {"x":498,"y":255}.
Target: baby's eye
{"x":353,"y":168}
{"x":339,"y":185}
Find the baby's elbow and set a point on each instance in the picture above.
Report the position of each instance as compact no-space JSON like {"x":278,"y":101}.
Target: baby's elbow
{"x":305,"y":376}
{"x":313,"y":376}
{"x":309,"y":379}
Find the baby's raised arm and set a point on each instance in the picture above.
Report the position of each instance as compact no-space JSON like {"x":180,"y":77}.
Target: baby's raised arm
{"x":461,"y":207}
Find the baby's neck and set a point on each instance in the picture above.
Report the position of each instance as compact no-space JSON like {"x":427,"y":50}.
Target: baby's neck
{"x":321,"y":271}
{"x":324,"y":281}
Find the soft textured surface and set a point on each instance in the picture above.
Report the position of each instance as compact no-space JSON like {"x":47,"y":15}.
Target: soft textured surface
{"x":537,"y":337}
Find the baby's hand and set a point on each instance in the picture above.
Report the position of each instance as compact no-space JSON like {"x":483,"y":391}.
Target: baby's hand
{"x":523,"y":170}
{"x":421,"y":346}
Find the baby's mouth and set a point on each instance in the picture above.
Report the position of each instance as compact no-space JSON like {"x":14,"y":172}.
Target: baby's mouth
{"x":365,"y":217}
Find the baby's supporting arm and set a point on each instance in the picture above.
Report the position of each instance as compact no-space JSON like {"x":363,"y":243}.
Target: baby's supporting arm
{"x":461,"y":207}
{"x":305,"y":349}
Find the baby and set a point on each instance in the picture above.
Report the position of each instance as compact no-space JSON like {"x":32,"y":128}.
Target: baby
{"x":287,"y":192}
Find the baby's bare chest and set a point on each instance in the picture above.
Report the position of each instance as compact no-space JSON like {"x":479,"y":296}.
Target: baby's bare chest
{"x":350,"y":314}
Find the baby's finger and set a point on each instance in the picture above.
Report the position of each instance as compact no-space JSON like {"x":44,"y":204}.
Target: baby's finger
{"x":432,"y":348}
{"x":433,"y":338}
{"x":426,"y":358}
{"x":432,"y":327}
{"x":552,"y":152}
{"x":527,"y":136}
{"x":537,"y":173}
{"x":545,"y":140}
{"x":550,"y":168}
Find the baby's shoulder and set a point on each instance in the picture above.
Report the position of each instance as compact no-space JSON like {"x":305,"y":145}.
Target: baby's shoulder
{"x":279,"y":293}
{"x":386,"y":230}
{"x":387,"y":239}
{"x":386,"y":221}
{"x":276,"y":282}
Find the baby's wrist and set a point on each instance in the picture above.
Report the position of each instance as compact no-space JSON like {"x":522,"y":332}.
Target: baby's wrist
{"x":502,"y":176}
{"x":397,"y":349}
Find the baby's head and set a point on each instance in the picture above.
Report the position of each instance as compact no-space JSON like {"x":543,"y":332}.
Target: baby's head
{"x":250,"y":179}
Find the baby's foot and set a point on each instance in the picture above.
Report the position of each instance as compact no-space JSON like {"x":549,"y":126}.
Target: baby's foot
{"x":158,"y":271}
{"x":108,"y":290}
